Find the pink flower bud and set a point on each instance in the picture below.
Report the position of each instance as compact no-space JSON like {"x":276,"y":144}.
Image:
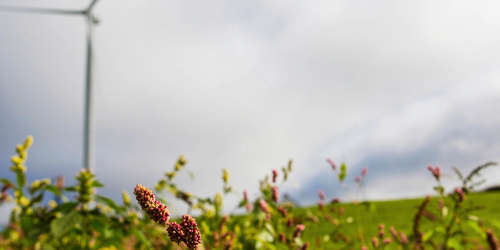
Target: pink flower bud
{"x":248,"y":207}
{"x":298,"y":230}
{"x":375,"y":242}
{"x":274,"y":194}
{"x":341,"y":211}
{"x":282,"y":211}
{"x":358,"y":179}
{"x":393,"y":232}
{"x":364,"y":171}
{"x":321,"y":194}
{"x":275,"y":175}
{"x":387,"y":241}
{"x":381,"y":234}
{"x":461,"y":194}
{"x":435,"y":171}
{"x":335,"y":200}
{"x":263,"y":206}
{"x":245,"y":195}
{"x":332,"y":164}
{"x":404,"y":239}
{"x":321,"y":205}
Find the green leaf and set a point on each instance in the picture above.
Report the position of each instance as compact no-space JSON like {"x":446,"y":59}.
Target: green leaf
{"x":453,"y":243}
{"x":298,"y":241}
{"x":427,"y":235}
{"x":265,"y":236}
{"x":474,"y":226}
{"x":96,"y":184}
{"x":62,"y":225}
{"x":495,"y":223}
{"x":108,"y":202}
{"x":172,"y":189}
{"x":343,"y":171}
{"x":54,"y":190}
{"x":72,"y":189}
{"x":439,"y":189}
{"x":269,"y":228}
{"x":98,"y":225}
{"x":5,"y":181}
{"x":140,"y":236}
{"x":26,"y":223}
{"x":21,"y":179}
{"x":66,"y":207}
{"x":37,"y":199}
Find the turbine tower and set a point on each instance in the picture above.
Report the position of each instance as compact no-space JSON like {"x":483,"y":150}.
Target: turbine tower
{"x":90,"y":20}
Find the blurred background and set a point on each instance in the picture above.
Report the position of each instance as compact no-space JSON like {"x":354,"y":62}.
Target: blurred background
{"x":247,"y":85}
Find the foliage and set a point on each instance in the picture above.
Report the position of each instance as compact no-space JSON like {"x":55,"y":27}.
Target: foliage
{"x":449,"y":220}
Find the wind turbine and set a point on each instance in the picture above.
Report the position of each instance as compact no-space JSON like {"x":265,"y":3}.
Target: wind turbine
{"x":90,"y":20}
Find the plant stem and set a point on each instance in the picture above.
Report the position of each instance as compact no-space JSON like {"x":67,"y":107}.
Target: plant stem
{"x":450,"y":225}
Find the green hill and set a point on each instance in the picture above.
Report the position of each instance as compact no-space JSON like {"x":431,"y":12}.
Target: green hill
{"x":360,"y":222}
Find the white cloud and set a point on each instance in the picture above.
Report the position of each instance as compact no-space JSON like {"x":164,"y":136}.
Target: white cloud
{"x":5,"y":211}
{"x":248,"y":85}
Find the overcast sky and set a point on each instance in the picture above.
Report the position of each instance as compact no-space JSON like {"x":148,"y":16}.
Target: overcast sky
{"x":248,"y":85}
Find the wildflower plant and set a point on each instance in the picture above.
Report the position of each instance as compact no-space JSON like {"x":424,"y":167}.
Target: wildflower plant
{"x":79,"y":218}
{"x":83,"y":221}
{"x":187,"y":231}
{"x":453,"y":213}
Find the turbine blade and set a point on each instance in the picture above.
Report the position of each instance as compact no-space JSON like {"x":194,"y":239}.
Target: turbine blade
{"x":40,"y":10}
{"x":91,"y":5}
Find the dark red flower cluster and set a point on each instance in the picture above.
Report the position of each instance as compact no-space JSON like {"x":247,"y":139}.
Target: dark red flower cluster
{"x":274,"y":194}
{"x":492,"y":240}
{"x":154,"y":208}
{"x":187,"y":231}
{"x":282,"y":211}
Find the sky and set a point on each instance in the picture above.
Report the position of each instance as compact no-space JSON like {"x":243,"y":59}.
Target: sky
{"x":247,"y":85}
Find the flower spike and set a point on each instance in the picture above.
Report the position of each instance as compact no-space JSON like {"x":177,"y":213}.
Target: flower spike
{"x":187,"y":231}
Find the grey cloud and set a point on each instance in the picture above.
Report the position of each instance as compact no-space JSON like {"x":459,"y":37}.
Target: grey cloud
{"x":248,"y":85}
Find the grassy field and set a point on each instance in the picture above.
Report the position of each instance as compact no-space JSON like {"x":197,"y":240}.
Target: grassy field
{"x":365,"y":218}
